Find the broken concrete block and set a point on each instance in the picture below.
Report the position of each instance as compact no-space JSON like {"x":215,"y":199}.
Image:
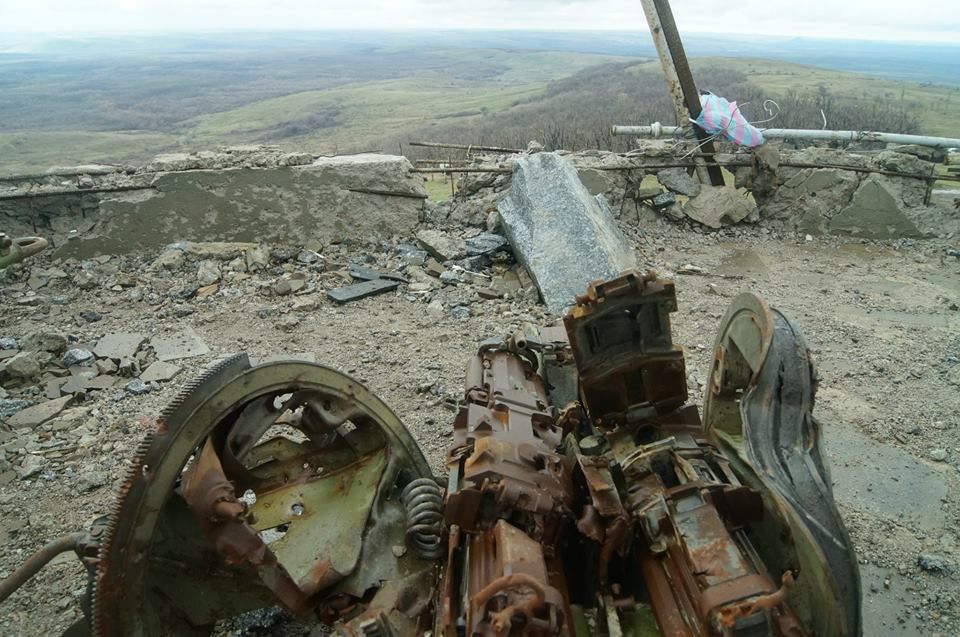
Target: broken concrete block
{"x":119,"y":345}
{"x":39,"y":414}
{"x":562,"y":235}
{"x":160,"y":371}
{"x":873,"y":213}
{"x":359,"y":291}
{"x":718,"y":206}
{"x":678,"y":181}
{"x":441,"y":245}
{"x":185,"y":344}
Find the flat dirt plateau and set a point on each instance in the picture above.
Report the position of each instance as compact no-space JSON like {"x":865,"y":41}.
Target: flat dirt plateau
{"x":882,"y":321}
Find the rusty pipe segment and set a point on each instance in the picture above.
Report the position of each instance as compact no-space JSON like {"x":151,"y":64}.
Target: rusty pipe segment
{"x":38,"y":560}
{"x":16,"y":250}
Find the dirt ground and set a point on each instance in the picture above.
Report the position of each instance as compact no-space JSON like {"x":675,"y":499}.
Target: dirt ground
{"x":881,"y":319}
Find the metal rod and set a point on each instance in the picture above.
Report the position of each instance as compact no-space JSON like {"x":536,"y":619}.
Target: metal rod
{"x":690,"y":164}
{"x":801,"y":133}
{"x":492,"y":149}
{"x":37,"y":561}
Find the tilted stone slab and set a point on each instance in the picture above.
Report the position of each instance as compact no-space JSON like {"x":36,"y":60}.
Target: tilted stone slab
{"x":565,"y":237}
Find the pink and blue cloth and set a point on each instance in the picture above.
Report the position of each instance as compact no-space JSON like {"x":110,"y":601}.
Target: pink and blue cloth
{"x":721,"y":117}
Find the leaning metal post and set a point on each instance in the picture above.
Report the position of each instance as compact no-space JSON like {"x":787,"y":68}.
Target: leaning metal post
{"x":680,"y":83}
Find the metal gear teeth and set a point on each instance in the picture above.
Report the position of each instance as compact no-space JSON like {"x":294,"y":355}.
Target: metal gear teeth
{"x":134,"y":471}
{"x":191,"y":386}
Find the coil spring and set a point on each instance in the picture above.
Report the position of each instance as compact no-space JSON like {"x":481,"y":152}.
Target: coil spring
{"x":423,"y":501}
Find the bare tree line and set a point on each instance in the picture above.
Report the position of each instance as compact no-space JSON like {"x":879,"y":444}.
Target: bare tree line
{"x":577,"y":113}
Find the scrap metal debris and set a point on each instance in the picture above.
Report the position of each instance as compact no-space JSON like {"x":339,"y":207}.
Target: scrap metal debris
{"x":583,"y":495}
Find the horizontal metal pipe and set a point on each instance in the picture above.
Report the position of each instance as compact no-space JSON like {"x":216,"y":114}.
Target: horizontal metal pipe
{"x":799,"y":133}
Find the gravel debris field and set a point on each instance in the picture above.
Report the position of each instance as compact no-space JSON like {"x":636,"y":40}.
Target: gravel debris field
{"x":882,"y":320}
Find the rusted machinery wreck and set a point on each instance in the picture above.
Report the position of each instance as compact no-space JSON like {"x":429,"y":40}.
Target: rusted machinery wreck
{"x":583,"y":495}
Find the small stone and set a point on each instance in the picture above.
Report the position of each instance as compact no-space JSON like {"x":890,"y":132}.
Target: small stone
{"x":84,"y":280}
{"x":23,"y":365}
{"x":935,"y":563}
{"x":137,"y":387}
{"x":8,"y":342}
{"x":449,"y":277}
{"x":257,"y":258}
{"x":282,"y":287}
{"x":92,"y":479}
{"x":107,"y":366}
{"x":160,"y":371}
{"x":31,"y":466}
{"x":45,"y":342}
{"x":663,"y":201}
{"x":678,"y":181}
{"x":169,"y":260}
{"x":414,"y":257}
{"x":78,"y":356}
{"x":90,"y":316}
{"x":460,"y":312}
{"x":308,"y":257}
{"x":440,"y":245}
{"x":938,"y":455}
{"x":485,"y":244}
{"x":208,"y":273}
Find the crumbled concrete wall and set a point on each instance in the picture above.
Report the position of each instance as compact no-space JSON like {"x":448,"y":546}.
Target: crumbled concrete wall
{"x":243,"y":196}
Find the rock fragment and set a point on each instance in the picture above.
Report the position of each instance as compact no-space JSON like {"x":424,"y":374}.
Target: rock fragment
{"x":441,"y":245}
{"x":677,"y":180}
{"x":39,"y":414}
{"x":718,"y":206}
{"x":160,"y":371}
{"x":119,"y":345}
{"x":550,"y":217}
{"x":78,"y":356}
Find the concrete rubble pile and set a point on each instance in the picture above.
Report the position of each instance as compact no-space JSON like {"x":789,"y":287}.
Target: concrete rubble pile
{"x":843,"y":199}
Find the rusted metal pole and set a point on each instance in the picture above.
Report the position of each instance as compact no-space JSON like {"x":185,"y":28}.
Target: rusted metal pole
{"x":37,"y":561}
{"x":680,"y":84}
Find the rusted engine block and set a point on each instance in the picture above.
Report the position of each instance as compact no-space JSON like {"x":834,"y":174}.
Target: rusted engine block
{"x":584,"y":495}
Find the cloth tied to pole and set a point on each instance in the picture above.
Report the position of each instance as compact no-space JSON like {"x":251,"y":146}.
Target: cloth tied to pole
{"x":719,"y":116}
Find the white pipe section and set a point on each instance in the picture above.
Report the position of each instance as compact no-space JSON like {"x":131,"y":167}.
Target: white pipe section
{"x":657,"y":129}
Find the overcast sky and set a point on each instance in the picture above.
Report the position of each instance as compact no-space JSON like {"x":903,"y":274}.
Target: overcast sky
{"x":920,"y":20}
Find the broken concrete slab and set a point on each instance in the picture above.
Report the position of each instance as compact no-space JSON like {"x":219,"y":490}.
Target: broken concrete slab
{"x":874,"y":213}
{"x":359,"y":291}
{"x":185,"y":344}
{"x":565,"y":237}
{"x":718,"y":206}
{"x":160,"y":371}
{"x":441,"y":246}
{"x":329,"y":199}
{"x":39,"y":414}
{"x":119,"y":345}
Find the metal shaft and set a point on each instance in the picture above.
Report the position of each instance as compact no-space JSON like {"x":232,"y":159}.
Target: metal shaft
{"x":802,"y":133}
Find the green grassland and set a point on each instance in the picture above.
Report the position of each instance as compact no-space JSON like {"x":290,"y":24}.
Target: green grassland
{"x":449,"y":90}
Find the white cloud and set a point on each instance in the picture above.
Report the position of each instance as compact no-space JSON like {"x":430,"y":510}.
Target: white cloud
{"x":921,"y":20}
